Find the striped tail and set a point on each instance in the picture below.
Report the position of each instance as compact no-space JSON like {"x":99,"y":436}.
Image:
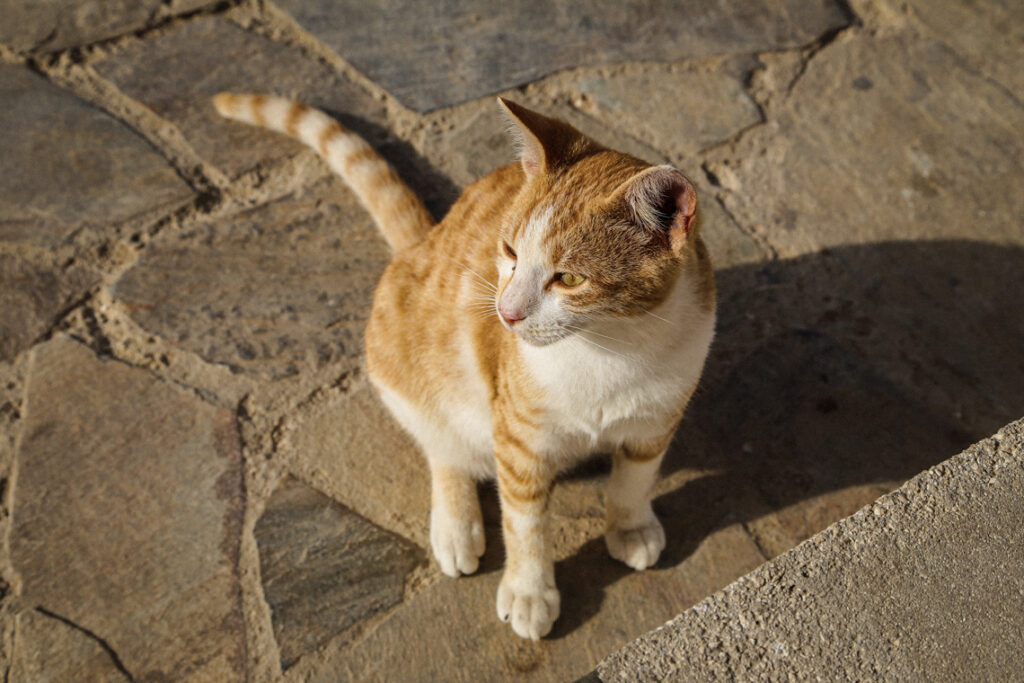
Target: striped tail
{"x":398,"y":212}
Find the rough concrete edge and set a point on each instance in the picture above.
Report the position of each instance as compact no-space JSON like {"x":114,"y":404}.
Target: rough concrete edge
{"x":972,"y":467}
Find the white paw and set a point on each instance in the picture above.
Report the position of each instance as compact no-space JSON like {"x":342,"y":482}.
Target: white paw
{"x":457,"y":543}
{"x":531,"y":607}
{"x":639,"y":547}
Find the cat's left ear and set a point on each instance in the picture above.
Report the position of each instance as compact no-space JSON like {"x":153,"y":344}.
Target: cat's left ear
{"x":661,"y":200}
{"x":545,"y":143}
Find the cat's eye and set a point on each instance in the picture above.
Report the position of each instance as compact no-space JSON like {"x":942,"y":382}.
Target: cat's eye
{"x":508,"y":251}
{"x":570,"y":279}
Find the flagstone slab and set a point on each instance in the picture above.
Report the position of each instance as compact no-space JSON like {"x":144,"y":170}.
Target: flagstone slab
{"x":271,"y":291}
{"x":32,"y":297}
{"x":882,"y":138}
{"x":604,"y":605}
{"x":66,"y":165}
{"x":127,"y":514}
{"x":48,"y":649}
{"x":175,"y":72}
{"x":325,"y":568}
{"x":437,"y":54}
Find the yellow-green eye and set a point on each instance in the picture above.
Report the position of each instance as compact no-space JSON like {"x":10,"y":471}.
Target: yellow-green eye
{"x":571,"y":279}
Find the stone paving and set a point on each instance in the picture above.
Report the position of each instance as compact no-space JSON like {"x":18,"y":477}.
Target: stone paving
{"x":197,"y":480}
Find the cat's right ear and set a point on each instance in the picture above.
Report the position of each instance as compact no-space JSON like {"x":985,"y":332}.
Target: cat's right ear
{"x":544,"y":142}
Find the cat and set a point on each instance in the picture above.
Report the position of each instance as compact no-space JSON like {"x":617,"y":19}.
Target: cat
{"x":565,"y":305}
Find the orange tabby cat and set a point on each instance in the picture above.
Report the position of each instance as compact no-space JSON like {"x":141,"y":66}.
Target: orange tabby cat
{"x":565,"y":305}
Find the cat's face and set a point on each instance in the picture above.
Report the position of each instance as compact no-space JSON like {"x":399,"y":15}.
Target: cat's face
{"x":574,"y":256}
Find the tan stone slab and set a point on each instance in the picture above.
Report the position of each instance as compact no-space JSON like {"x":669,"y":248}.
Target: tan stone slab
{"x":176,"y":72}
{"x":603,"y":605}
{"x":32,"y":297}
{"x":678,"y":111}
{"x":989,"y":33}
{"x":66,"y":165}
{"x":127,"y":513}
{"x":349,"y":445}
{"x":882,"y":138}
{"x":47,"y":649}
{"x":272,"y":291}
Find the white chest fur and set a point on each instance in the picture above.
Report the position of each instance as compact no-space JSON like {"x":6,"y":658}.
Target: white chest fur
{"x":623,"y":381}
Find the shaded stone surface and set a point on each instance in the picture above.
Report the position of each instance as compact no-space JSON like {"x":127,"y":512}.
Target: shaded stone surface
{"x":177,"y":71}
{"x":127,"y":514}
{"x":47,"y":649}
{"x":325,"y":568}
{"x":32,"y":297}
{"x":450,"y":52}
{"x":271,"y":291}
{"x":51,"y":185}
{"x":922,"y":585}
{"x":884,"y":138}
{"x":683,"y":112}
{"x":603,"y":604}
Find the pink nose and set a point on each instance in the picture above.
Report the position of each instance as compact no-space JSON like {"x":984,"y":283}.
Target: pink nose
{"x":511,"y":317}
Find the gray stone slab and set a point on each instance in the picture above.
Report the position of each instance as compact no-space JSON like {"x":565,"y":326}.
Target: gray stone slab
{"x":48,"y":649}
{"x":128,"y":512}
{"x":272,"y":291}
{"x":176,"y":71}
{"x":882,"y":138}
{"x":67,"y":166}
{"x":925,"y":584}
{"x":32,"y":297}
{"x":324,"y":568}
{"x":437,"y":54}
{"x":681,"y":112}
{"x":56,"y":24}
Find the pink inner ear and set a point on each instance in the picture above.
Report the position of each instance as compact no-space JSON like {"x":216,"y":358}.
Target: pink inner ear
{"x":686,"y":207}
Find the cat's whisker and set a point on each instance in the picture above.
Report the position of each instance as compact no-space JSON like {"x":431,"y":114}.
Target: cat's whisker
{"x":480,"y":277}
{"x":591,"y":341}
{"x":654,"y":315}
{"x":583,"y":329}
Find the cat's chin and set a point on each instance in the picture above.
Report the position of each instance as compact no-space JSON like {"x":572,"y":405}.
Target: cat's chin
{"x":539,"y":341}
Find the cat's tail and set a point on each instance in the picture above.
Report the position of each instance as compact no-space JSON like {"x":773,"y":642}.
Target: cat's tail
{"x":399,"y":213}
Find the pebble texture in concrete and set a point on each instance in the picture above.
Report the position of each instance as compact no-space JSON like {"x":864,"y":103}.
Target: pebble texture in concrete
{"x":924,"y":584}
{"x":182,"y":301}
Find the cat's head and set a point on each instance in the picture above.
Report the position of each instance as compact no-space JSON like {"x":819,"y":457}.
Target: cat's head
{"x":592,"y":235}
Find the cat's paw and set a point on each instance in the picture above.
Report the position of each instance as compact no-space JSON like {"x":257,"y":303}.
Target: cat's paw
{"x":530,"y":607}
{"x":638,"y":547}
{"x":457,"y":543}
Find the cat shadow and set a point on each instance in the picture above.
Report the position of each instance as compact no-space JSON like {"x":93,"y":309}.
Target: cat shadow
{"x":834,"y":377}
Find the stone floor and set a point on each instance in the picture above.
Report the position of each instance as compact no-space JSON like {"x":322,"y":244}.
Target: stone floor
{"x":198,"y":483}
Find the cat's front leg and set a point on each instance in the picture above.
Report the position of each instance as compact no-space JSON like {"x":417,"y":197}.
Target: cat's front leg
{"x":633,"y":533}
{"x":527,"y":596}
{"x":456,"y":525}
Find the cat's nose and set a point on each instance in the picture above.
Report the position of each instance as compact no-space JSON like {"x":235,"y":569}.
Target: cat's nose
{"x":510,"y":316}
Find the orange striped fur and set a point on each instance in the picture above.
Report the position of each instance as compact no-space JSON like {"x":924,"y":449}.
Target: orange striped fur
{"x":564,"y":305}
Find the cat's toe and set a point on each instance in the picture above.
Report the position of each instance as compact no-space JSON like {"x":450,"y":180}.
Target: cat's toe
{"x":530,"y":610}
{"x":638,"y":548}
{"x":457,"y":545}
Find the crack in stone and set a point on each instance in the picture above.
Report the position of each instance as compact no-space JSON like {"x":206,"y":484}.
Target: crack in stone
{"x":100,"y":641}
